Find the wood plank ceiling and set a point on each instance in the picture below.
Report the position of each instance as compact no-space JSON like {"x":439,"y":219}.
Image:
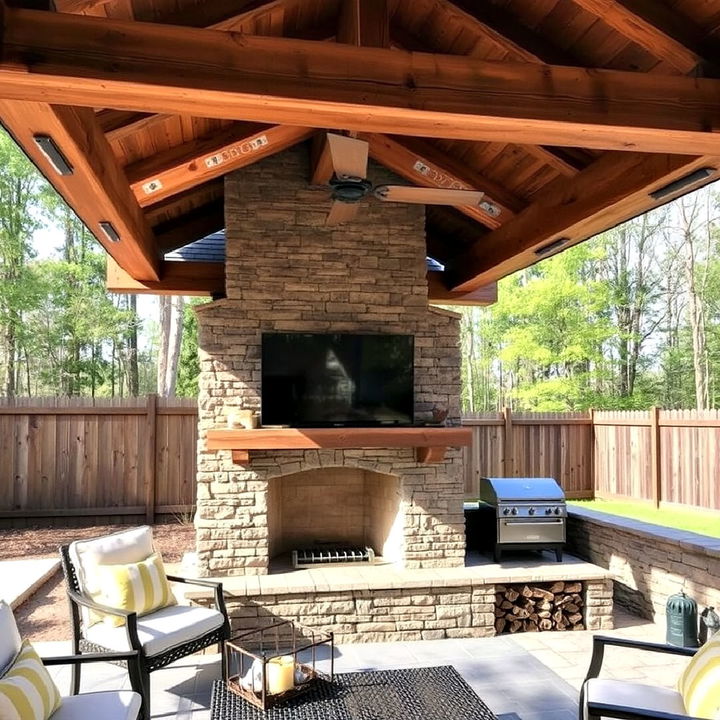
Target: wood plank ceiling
{"x":567,"y":114}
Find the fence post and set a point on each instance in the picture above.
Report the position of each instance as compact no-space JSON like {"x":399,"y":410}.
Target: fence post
{"x":507,"y":460}
{"x":655,"y":459}
{"x":592,"y":480}
{"x":150,"y":453}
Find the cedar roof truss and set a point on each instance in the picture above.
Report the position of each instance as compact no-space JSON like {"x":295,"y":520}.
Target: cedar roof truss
{"x":570,"y":115}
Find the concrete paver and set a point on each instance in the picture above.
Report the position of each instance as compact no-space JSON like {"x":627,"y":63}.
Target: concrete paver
{"x":530,"y":676}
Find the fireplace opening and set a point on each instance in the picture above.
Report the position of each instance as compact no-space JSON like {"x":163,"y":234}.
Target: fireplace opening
{"x":334,"y":514}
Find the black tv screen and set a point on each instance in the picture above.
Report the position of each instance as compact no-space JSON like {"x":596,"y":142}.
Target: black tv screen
{"x":327,"y":380}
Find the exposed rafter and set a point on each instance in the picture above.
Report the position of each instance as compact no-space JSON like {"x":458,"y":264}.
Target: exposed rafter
{"x":638,"y":28}
{"x":197,"y":161}
{"x":119,"y":124}
{"x":219,"y":13}
{"x":96,"y":188}
{"x":193,"y":197}
{"x":78,"y":6}
{"x":504,"y":30}
{"x":191,"y":226}
{"x":613,"y":189}
{"x":93,"y":61}
{"x":364,"y":23}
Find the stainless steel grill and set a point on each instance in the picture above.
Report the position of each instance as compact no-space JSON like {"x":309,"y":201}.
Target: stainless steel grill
{"x":310,"y":557}
{"x":529,"y":512}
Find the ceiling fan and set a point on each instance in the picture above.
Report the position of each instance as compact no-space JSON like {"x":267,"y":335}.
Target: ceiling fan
{"x":349,"y":184}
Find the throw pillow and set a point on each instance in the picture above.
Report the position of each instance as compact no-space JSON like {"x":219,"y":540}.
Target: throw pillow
{"x":700,"y":682}
{"x":27,"y":691}
{"x":141,"y":587}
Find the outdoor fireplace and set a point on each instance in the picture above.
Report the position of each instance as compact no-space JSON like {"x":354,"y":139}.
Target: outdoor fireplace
{"x":287,"y":272}
{"x":335,"y":508}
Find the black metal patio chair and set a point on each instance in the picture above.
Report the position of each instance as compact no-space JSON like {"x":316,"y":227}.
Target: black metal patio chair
{"x":160,"y":637}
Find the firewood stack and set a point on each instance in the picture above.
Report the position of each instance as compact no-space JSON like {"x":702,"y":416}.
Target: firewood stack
{"x":532,"y":608}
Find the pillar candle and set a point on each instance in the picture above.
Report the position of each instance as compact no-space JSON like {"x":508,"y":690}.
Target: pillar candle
{"x":280,"y":674}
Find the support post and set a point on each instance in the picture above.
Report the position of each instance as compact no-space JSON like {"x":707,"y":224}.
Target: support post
{"x":655,"y":459}
{"x":508,"y":460}
{"x":150,"y":455}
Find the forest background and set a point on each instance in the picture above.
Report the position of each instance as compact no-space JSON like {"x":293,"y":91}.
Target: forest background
{"x":626,"y":320}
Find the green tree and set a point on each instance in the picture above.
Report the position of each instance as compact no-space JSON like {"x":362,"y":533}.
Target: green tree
{"x":21,"y":190}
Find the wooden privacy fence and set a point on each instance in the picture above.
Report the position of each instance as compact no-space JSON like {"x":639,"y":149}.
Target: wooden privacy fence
{"x":665,"y":456}
{"x":557,"y":445}
{"x":101,"y":459}
{"x":107,"y":460}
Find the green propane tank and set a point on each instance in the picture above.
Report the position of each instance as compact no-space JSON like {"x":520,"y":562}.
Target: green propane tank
{"x":682,"y":627}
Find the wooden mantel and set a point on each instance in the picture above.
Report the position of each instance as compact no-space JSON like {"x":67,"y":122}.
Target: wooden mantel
{"x":430,"y":443}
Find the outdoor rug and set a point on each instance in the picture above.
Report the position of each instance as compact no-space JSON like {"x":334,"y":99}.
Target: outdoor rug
{"x":411,"y":694}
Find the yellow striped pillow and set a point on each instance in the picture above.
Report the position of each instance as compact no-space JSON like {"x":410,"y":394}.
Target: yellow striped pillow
{"x":700,"y":682}
{"x":27,"y":691}
{"x":142,"y":587}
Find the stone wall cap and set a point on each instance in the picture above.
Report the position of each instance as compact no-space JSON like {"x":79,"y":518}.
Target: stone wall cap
{"x":695,"y":542}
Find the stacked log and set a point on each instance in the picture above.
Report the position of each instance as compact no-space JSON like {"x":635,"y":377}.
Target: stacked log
{"x":538,"y":607}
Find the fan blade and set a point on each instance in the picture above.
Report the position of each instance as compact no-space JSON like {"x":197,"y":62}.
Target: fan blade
{"x":349,"y":156}
{"x":427,"y":196}
{"x":341,"y":212}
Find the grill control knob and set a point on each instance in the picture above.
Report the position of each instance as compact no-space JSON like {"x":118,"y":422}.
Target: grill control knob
{"x":514,"y":511}
{"x":506,"y":511}
{"x":549,"y":511}
{"x":557,"y":511}
{"x":531,"y":511}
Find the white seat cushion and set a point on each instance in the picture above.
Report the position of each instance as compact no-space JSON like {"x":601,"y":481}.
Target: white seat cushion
{"x":124,"y":705}
{"x":9,"y":636}
{"x":158,"y":631}
{"x":633,"y":696}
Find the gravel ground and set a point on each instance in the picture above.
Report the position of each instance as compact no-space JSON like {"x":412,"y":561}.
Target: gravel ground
{"x":45,"y":615}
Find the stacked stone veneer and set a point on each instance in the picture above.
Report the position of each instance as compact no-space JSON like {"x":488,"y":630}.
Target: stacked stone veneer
{"x":420,"y":611}
{"x":648,"y":562}
{"x":287,"y":271}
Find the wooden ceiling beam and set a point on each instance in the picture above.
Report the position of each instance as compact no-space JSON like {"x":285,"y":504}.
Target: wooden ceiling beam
{"x":97,"y":188}
{"x":193,"y":225}
{"x":636,"y":25}
{"x":197,"y":161}
{"x":503,"y":29}
{"x":438,"y":294}
{"x":195,"y":197}
{"x":364,"y":23}
{"x":78,"y":6}
{"x":219,"y":13}
{"x":94,"y":62}
{"x":120,"y":124}
{"x":178,"y":278}
{"x":423,"y":164}
{"x":613,"y":189}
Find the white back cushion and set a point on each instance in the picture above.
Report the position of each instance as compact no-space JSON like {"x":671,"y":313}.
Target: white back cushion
{"x":9,"y":636}
{"x":127,"y":546}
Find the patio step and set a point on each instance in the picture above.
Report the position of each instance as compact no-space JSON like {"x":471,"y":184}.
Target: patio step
{"x":21,"y":578}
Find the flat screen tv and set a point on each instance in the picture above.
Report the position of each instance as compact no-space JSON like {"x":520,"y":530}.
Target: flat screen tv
{"x":336,"y":380}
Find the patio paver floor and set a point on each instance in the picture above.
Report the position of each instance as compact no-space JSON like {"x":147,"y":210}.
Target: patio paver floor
{"x":534,"y":675}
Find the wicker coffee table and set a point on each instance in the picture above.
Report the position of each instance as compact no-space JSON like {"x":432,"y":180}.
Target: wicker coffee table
{"x":413,"y":694}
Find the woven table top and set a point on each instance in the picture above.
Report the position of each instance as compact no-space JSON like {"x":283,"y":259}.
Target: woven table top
{"x":412,"y":694}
